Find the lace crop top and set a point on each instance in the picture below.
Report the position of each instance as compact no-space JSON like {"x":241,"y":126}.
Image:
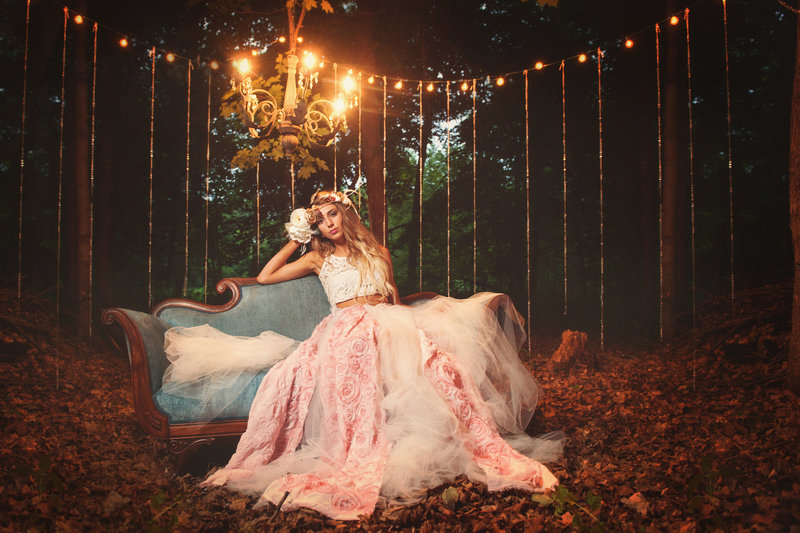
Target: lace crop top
{"x":340,"y":279}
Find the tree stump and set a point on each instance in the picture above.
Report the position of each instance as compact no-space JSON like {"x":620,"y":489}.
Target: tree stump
{"x":572,"y":350}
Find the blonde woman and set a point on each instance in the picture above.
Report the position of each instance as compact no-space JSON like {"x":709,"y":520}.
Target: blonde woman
{"x":384,"y":401}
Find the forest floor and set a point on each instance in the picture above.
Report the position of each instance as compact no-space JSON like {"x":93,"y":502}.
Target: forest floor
{"x":699,"y":435}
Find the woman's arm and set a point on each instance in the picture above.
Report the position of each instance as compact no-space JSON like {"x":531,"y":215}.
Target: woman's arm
{"x":277,"y":269}
{"x":388,"y":256}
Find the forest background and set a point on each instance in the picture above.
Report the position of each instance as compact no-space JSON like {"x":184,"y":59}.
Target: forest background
{"x":414,"y":41}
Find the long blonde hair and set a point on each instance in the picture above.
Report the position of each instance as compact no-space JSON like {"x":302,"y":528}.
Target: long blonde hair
{"x":363,"y":250}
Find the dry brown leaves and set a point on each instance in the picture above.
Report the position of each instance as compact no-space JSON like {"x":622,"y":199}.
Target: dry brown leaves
{"x":668,"y":438}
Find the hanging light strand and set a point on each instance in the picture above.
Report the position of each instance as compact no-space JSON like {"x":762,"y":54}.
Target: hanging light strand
{"x":447,"y":93}
{"x":186,"y":218}
{"x":360,"y":105}
{"x":528,"y":208}
{"x":421,"y":148}
{"x":474,"y":191}
{"x":730,"y":144}
{"x":150,"y":194}
{"x":208,"y":189}
{"x":691,"y":197}
{"x":335,"y":140}
{"x":602,"y":215}
{"x":291,"y":177}
{"x":22,"y":147}
{"x":258,"y":213}
{"x":60,"y":197}
{"x":385,"y":236}
{"x":91,"y":180}
{"x":660,"y":191}
{"x":564,"y":172}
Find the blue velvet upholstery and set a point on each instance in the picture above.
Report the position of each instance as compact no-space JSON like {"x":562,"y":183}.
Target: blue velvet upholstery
{"x":152,"y":329}
{"x":293,"y":308}
{"x":183,"y":410}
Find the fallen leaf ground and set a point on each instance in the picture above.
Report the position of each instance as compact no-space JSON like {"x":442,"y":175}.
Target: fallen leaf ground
{"x":696,"y":436}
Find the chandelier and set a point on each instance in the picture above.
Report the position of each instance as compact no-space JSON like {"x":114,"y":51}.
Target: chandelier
{"x":319,"y":120}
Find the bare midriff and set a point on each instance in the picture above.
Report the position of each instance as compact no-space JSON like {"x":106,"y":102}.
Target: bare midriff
{"x":372,"y":299}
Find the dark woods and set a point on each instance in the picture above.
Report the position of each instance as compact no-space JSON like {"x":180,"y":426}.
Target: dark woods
{"x":139,"y":238}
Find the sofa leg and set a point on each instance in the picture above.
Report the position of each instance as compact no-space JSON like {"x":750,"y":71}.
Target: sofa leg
{"x":182,"y":449}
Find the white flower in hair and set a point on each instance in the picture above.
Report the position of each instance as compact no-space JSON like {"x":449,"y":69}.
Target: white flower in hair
{"x":298,"y":226}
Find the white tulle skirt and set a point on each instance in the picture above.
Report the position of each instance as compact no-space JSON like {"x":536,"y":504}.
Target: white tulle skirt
{"x":384,"y":402}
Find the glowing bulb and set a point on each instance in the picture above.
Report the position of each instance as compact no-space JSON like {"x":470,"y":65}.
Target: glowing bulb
{"x":674,"y":20}
{"x":321,"y":64}
{"x":500,"y":81}
{"x":78,"y":19}
{"x":430,"y":87}
{"x":170,"y":57}
{"x":628,"y":43}
{"x":281,"y":39}
{"x":465,"y":86}
{"x":582,"y":58}
{"x":299,"y":39}
{"x":254,"y":52}
{"x":539,"y":65}
{"x":348,"y":84}
{"x":399,"y":84}
{"x":123,"y":42}
{"x":214,"y":65}
{"x":339,"y":106}
{"x":243,"y":65}
{"x":371,"y":79}
{"x":309,"y":60}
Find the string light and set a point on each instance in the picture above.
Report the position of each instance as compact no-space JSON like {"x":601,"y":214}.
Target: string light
{"x":465,"y":86}
{"x":430,"y":87}
{"x":602,"y":214}
{"x":170,"y":57}
{"x":281,"y":39}
{"x":474,"y":191}
{"x":22,"y":149}
{"x":123,"y":42}
{"x":399,"y":84}
{"x":186,"y":218}
{"x":150,"y":194}
{"x":691,"y":196}
{"x":500,"y":81}
{"x":628,"y":43}
{"x":539,"y":65}
{"x":528,"y":207}
{"x":674,"y":20}
{"x":299,"y":39}
{"x":214,"y":65}
{"x":660,"y":190}
{"x":582,"y":58}
{"x":208,"y":188}
{"x":91,"y":178}
{"x":371,"y":80}
{"x":421,"y":148}
{"x":253,"y":52}
{"x":564,"y":170}
{"x":60,"y":206}
{"x":78,"y":19}
{"x":730,"y":154}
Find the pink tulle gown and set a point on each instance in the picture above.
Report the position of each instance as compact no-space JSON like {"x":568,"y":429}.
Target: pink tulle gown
{"x":384,"y":402}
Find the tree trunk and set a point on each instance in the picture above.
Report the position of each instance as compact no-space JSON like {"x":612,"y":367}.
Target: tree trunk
{"x":793,"y":370}
{"x":77,"y":243}
{"x":673,"y":184}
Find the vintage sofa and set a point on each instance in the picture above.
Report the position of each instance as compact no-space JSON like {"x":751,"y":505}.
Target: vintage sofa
{"x":292,"y":308}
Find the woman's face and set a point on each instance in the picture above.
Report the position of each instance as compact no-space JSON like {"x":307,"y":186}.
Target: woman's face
{"x":330,"y":222}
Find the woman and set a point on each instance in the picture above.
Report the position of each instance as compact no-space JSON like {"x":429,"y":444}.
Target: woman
{"x":384,"y":401}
